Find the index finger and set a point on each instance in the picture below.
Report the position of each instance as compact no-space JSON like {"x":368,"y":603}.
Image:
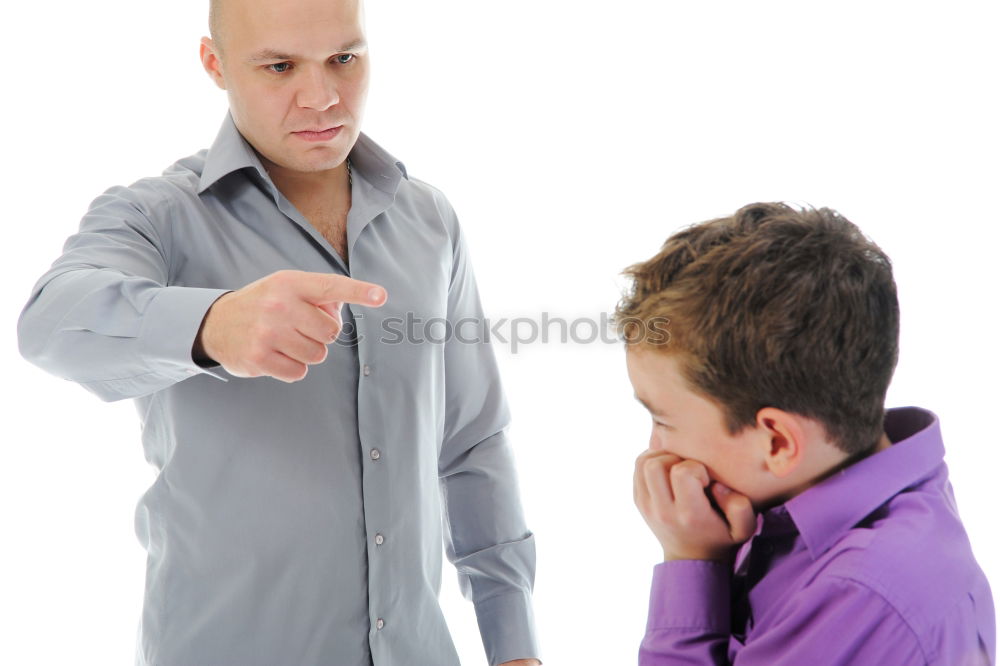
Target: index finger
{"x":322,"y":288}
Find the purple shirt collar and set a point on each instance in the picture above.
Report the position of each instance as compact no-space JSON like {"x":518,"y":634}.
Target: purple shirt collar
{"x":824,"y":512}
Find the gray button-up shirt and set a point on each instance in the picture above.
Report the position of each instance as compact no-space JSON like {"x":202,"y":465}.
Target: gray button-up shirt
{"x":301,"y":523}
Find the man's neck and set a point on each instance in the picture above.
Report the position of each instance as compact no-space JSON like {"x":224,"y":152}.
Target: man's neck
{"x":330,"y":186}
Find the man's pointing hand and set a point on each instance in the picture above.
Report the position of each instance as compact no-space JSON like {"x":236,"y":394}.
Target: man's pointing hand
{"x":280,"y":324}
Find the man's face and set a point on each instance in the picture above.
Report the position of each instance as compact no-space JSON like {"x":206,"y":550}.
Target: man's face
{"x":692,"y":427}
{"x":294,"y":65}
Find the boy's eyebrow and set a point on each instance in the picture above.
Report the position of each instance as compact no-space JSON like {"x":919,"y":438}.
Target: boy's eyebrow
{"x":652,"y":410}
{"x":274,"y":54}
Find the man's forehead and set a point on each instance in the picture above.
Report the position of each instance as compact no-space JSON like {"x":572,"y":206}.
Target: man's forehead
{"x":290,"y":26}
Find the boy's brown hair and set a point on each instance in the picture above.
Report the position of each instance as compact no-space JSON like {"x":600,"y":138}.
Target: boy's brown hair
{"x":775,"y":306}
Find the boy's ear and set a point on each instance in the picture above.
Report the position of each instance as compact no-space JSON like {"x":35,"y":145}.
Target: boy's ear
{"x":783,"y":440}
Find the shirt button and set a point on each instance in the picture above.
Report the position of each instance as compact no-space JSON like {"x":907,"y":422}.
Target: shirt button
{"x":367,"y":370}
{"x":375,"y":454}
{"x":379,"y":623}
{"x":379,"y":539}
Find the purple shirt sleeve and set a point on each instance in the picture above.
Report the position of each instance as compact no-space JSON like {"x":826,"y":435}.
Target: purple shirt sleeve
{"x":831,"y":621}
{"x":688,"y":614}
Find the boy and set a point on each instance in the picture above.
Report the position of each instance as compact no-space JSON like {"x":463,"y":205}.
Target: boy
{"x":801,"y":522}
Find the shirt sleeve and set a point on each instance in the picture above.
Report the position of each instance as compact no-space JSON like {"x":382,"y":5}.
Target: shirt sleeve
{"x":104,"y":314}
{"x":831,"y":621}
{"x":689,"y":621}
{"x":485,"y":533}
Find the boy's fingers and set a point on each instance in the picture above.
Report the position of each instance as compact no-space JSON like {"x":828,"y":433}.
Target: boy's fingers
{"x":656,"y":470}
{"x":650,"y":482}
{"x":739,"y":512}
{"x":692,"y":469}
{"x":640,"y":494}
{"x":640,"y":490}
{"x":689,"y":480}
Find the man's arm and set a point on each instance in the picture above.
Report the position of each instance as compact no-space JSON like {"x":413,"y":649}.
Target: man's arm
{"x":486,"y":536}
{"x":103,"y":315}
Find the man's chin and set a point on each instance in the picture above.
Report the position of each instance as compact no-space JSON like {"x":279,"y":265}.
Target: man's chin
{"x":313,"y":163}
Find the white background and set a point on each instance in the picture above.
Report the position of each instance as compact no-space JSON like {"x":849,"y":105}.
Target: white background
{"x":572,"y":139}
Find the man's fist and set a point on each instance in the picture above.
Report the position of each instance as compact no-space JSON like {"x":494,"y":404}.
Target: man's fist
{"x":280,"y":324}
{"x":670,"y":493}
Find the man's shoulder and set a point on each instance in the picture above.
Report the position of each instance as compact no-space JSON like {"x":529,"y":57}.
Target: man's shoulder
{"x":150,"y":195}
{"x":422,"y":192}
{"x":428,"y":202}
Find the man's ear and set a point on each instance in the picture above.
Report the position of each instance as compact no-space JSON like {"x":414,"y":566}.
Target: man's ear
{"x":784,"y":440}
{"x":211,"y":61}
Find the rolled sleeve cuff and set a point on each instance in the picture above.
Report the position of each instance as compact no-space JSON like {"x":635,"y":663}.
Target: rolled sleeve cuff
{"x":170,"y":326}
{"x":690,"y":594}
{"x":507,"y":625}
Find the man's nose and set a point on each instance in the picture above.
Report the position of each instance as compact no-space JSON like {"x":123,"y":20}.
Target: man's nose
{"x":319,"y":90}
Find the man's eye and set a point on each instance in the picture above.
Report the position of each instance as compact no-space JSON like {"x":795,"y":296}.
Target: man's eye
{"x":343,"y":59}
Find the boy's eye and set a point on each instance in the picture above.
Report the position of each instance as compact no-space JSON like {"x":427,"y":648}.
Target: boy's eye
{"x":279,"y":64}
{"x":345,"y":58}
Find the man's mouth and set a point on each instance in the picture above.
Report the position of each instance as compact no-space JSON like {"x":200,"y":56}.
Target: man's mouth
{"x":318,"y":129}
{"x":319,"y":134}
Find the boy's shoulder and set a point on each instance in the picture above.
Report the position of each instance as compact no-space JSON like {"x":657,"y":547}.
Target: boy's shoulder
{"x":889,"y":525}
{"x":913,"y":551}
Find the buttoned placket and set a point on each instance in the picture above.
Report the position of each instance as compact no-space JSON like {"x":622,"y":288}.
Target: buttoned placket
{"x":374,"y":474}
{"x":375,"y":455}
{"x":367,"y":203}
{"x":364,"y":208}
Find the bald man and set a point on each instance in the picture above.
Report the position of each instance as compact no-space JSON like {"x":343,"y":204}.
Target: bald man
{"x":314,"y":461}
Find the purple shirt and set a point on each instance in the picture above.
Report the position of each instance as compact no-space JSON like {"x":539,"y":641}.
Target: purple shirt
{"x":870,"y":566}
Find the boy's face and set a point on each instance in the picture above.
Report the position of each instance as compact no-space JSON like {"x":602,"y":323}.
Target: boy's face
{"x":692,"y":427}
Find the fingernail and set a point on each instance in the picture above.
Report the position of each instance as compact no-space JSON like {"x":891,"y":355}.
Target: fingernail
{"x":375,"y":294}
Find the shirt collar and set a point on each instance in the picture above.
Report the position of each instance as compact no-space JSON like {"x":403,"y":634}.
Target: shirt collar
{"x":231,"y":152}
{"x":824,"y":512}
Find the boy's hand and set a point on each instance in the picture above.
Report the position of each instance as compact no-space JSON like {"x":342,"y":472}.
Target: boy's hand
{"x":670,"y":494}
